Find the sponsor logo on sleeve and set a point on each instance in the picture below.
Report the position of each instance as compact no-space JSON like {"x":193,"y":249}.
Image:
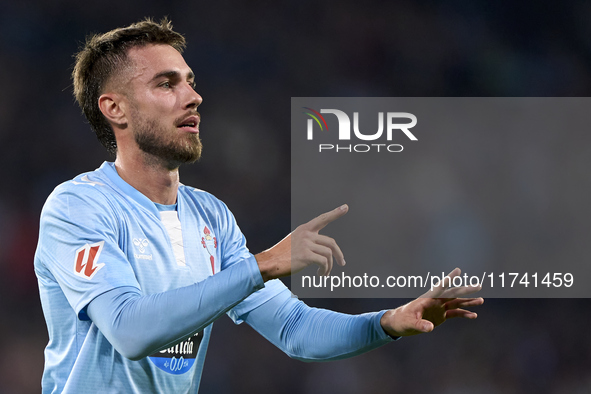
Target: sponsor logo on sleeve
{"x":86,"y":257}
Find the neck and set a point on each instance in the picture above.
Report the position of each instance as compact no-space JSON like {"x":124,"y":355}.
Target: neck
{"x":151,"y":177}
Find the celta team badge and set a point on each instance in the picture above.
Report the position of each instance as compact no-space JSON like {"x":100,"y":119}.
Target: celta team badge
{"x":210,"y":244}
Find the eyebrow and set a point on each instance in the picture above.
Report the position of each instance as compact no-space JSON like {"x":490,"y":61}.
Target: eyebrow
{"x":172,"y":74}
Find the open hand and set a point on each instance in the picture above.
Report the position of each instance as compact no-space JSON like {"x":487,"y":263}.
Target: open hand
{"x":431,"y":309}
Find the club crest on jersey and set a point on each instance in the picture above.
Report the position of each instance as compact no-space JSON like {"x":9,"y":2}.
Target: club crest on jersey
{"x":85,"y":259}
{"x":210,"y":243}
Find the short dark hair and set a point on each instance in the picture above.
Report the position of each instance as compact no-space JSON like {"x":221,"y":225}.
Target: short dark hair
{"x":104,"y":55}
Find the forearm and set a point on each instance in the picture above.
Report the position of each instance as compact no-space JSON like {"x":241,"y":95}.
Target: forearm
{"x":138,"y":325}
{"x":312,"y":334}
{"x":275,"y":262}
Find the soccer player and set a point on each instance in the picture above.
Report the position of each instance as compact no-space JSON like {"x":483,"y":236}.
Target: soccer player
{"x":134,"y":267}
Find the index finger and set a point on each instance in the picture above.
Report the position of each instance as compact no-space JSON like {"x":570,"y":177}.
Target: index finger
{"x":319,"y":222}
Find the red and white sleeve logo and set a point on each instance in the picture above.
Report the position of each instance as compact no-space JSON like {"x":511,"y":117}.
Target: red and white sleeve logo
{"x":86,"y":257}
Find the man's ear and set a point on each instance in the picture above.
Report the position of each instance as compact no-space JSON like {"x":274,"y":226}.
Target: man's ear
{"x":112,"y":105}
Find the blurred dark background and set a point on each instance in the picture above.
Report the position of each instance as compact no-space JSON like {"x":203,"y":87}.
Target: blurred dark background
{"x":250,"y":58}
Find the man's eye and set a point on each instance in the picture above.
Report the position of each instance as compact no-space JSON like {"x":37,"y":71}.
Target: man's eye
{"x":165,"y":84}
{"x":194,"y":85}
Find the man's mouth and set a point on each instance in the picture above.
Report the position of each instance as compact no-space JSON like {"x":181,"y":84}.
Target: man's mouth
{"x":190,"y":124}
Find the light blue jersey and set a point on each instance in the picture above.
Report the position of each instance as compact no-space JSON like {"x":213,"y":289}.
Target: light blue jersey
{"x":97,"y":234}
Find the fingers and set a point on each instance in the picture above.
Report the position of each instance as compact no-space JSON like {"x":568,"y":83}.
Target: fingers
{"x":323,"y":248}
{"x":463,"y":303}
{"x":457,"y":292}
{"x":322,"y":258}
{"x":334,"y":248}
{"x":456,"y":272}
{"x":445,"y":290}
{"x":327,"y":248}
{"x":460,"y":313}
{"x":424,"y":326}
{"x":453,"y":307}
{"x":422,"y":315}
{"x":318,"y":223}
{"x":438,"y":291}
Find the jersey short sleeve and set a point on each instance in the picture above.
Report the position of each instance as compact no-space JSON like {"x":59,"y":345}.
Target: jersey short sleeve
{"x":234,"y":251}
{"x":233,"y":242}
{"x":78,"y":245}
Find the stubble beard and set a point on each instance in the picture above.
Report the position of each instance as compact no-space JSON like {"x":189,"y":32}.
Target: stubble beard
{"x":164,"y":147}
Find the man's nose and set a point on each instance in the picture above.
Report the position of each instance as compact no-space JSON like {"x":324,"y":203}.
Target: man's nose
{"x":192,"y":99}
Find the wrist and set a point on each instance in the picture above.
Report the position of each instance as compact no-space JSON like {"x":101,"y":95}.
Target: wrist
{"x":276,"y":261}
{"x":387,"y":321}
{"x":266,"y":265}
